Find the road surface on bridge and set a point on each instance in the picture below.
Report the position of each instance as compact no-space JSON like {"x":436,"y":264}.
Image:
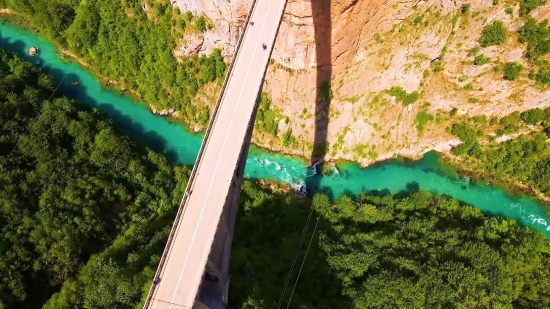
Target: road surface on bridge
{"x":183,"y":269}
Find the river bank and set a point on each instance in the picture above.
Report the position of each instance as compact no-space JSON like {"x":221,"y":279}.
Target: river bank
{"x":181,"y":147}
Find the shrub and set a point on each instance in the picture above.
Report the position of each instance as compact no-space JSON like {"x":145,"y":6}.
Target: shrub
{"x":495,"y":2}
{"x":512,"y":119}
{"x":473,"y":100}
{"x":200,"y":23}
{"x":512,"y":70}
{"x":418,"y":19}
{"x":464,"y":131}
{"x":481,"y":60}
{"x":189,"y":16}
{"x":474,"y":51}
{"x":453,"y":111}
{"x":465,"y":8}
{"x":542,"y":75}
{"x":469,"y":87}
{"x":401,"y":95}
{"x":493,"y":34}
{"x":421,"y":119}
{"x":526,"y":6}
{"x":509,"y":11}
{"x":480,"y":119}
{"x":437,"y":66}
{"x":533,"y":116}
{"x":535,"y":35}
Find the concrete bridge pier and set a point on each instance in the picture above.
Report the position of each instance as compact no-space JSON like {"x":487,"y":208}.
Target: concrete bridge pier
{"x":214,"y":289}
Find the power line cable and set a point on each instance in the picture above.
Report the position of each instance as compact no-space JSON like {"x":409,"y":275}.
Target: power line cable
{"x":30,"y":124}
{"x":303,"y":262}
{"x":280,"y":302}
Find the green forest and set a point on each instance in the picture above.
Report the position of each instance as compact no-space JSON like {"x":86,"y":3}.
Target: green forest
{"x":85,"y":212}
{"x":524,"y":157}
{"x":122,"y":42}
{"x":75,"y":186}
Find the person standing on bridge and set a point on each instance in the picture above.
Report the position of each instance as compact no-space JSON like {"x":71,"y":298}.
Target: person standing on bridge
{"x":264,"y":46}
{"x":251,"y":23}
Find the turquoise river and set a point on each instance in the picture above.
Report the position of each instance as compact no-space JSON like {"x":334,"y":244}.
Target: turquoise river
{"x":182,"y":147}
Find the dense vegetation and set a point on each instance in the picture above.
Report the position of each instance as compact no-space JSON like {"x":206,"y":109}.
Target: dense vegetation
{"x":74,"y":185}
{"x":536,"y":36}
{"x":402,"y":96}
{"x":493,"y":34}
{"x":512,"y":70}
{"x":527,"y":6}
{"x":419,"y":251}
{"x":85,"y":212}
{"x":123,"y":42}
{"x":525,"y":157}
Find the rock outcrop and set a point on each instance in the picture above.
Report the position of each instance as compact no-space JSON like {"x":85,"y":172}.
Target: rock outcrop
{"x":365,"y":48}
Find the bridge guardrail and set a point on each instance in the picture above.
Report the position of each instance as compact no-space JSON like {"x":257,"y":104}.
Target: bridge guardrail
{"x":190,"y":183}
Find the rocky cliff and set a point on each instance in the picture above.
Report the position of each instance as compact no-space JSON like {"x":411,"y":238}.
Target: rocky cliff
{"x":334,"y":63}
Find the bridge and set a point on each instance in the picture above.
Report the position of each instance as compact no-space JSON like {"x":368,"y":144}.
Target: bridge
{"x":194,"y":268}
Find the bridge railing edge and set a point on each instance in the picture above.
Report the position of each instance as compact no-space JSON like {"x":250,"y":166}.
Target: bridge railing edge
{"x":190,"y":182}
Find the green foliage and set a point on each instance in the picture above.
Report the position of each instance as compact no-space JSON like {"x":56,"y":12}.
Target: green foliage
{"x":474,"y":51}
{"x":437,"y":66}
{"x":525,"y":157}
{"x":482,"y":119}
{"x":418,"y":19}
{"x":415,"y":251}
{"x":527,"y":6}
{"x":426,"y":73}
{"x":465,"y":132}
{"x":402,"y":96}
{"x":468,"y":87}
{"x":267,"y":119}
{"x":535,"y":116}
{"x":287,"y":138}
{"x":468,"y":137}
{"x":481,"y":60}
{"x":423,"y":251}
{"x":201,"y":24}
{"x":541,"y":75}
{"x":536,"y":36}
{"x":188,"y":16}
{"x":453,"y":111}
{"x":421,"y":119}
{"x":132,"y":49}
{"x":465,"y":8}
{"x":512,"y":70}
{"x":72,"y":186}
{"x":493,"y":34}
{"x":472,"y":99}
{"x":495,"y":2}
{"x":509,"y":11}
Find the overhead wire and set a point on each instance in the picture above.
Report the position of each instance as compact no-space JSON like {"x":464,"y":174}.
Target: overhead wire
{"x":303,"y":262}
{"x":296,"y":253}
{"x":30,"y":123}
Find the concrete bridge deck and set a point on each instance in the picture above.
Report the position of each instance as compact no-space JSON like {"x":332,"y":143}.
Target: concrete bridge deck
{"x":186,"y":257}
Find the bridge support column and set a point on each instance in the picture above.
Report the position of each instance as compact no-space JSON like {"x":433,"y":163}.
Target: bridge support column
{"x":215,"y":286}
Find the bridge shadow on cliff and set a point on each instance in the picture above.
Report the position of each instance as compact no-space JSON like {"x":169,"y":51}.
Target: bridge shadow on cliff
{"x":321,"y":13}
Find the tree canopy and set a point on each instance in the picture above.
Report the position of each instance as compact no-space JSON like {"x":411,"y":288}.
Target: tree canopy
{"x":125,"y":42}
{"x":413,"y":251}
{"x":74,"y":185}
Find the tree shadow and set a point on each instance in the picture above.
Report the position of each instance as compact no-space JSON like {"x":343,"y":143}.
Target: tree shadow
{"x":267,"y":232}
{"x":321,"y":12}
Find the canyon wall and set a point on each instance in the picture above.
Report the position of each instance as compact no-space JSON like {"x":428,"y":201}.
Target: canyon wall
{"x":361,"y":49}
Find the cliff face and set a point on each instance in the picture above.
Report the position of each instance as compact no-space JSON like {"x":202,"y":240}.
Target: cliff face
{"x":364,"y":48}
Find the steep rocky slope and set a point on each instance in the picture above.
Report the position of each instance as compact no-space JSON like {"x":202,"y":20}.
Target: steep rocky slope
{"x":334,"y":62}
